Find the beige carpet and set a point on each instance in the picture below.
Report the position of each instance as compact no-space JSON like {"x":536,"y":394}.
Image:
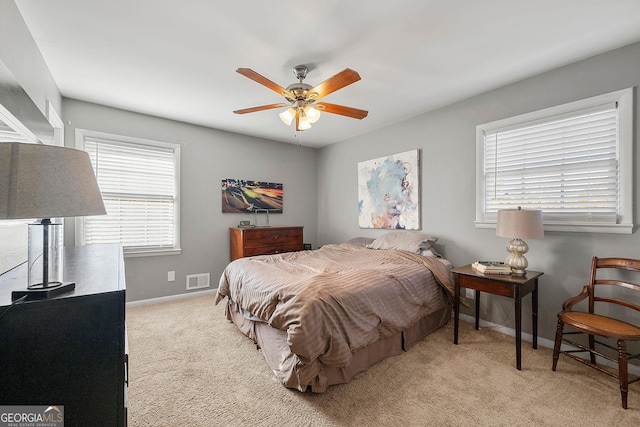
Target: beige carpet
{"x":190,"y":367}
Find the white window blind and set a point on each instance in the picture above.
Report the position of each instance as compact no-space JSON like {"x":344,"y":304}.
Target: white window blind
{"x":572,"y":161}
{"x":138,"y":182}
{"x":564,"y":165}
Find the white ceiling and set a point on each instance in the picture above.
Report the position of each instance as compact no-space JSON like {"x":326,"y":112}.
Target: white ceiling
{"x":177,"y":59}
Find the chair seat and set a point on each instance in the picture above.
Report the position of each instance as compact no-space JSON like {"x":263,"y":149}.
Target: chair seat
{"x":600,"y":325}
{"x":596,"y":325}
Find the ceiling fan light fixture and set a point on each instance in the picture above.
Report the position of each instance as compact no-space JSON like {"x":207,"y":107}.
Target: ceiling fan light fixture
{"x":287,"y":116}
{"x":312,"y":114}
{"x":303,"y":121}
{"x":304,"y":124}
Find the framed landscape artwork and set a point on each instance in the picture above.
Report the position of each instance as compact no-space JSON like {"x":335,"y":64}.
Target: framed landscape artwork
{"x":239,"y":195}
{"x":389,"y":192}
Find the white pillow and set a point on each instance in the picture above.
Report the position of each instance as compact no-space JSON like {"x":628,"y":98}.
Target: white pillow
{"x":403,"y":240}
{"x":360,"y":241}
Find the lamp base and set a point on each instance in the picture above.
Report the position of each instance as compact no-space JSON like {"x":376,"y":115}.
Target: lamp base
{"x":516,"y":259}
{"x":37,"y":292}
{"x":518,"y":272}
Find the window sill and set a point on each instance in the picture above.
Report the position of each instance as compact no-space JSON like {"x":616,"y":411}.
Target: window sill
{"x":135,"y":253}
{"x":575,"y":227}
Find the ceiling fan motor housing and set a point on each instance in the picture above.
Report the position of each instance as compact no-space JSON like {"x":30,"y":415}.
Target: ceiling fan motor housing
{"x":301,"y":91}
{"x":300,"y":72}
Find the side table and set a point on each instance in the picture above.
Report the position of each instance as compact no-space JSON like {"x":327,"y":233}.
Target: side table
{"x":499,"y":284}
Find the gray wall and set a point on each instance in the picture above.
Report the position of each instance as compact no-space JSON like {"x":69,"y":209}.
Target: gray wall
{"x":208,"y":156}
{"x":446,"y":138}
{"x":19,"y":53}
{"x":20,"y":57}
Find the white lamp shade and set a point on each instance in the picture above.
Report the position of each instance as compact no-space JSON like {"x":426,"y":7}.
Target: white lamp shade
{"x":287,"y":116}
{"x":520,"y":223}
{"x":313,"y":114}
{"x":304,"y":123}
{"x":44,"y":181}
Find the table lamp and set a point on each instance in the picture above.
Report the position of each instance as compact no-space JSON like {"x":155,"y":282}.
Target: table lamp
{"x":519,"y":224}
{"x":43,"y":182}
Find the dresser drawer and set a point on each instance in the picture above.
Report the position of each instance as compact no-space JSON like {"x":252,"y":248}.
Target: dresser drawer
{"x":264,"y":241}
{"x":273,"y":236}
{"x":271,"y":250}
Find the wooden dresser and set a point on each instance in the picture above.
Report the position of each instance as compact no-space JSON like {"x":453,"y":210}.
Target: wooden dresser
{"x":264,"y":240}
{"x":69,"y":350}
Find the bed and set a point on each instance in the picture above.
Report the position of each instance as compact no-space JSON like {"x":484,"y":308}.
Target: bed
{"x":321,"y":317}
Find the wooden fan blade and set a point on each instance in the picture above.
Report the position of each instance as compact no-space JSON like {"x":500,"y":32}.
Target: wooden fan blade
{"x":249,"y":73}
{"x":260,"y":108}
{"x":332,"y":84}
{"x":341,"y":110}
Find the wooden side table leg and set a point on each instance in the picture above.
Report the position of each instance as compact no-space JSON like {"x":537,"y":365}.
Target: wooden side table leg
{"x":518,"y":303}
{"x":456,"y":307}
{"x":477,"y":310}
{"x":534,"y":313}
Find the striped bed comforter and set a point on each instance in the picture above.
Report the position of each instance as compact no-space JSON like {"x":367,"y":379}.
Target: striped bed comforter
{"x":337,"y":299}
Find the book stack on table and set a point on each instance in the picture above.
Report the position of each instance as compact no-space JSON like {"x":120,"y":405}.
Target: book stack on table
{"x":491,"y":267}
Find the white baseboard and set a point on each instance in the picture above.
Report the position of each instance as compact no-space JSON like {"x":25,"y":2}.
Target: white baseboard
{"x":170,"y":298}
{"x":633,"y":369}
{"x":509,"y":331}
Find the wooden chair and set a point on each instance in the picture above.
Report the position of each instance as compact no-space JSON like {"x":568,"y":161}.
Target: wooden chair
{"x":593,"y":324}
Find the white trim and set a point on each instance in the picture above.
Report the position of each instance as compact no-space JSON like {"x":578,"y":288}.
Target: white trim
{"x":624,"y":224}
{"x":169,"y":298}
{"x":136,"y":253}
{"x":81,"y":134}
{"x":115,"y":138}
{"x":633,"y":369}
{"x":17,"y":126}
{"x":507,"y":331}
{"x":625,"y":151}
{"x":584,"y":227}
{"x":58,"y":125}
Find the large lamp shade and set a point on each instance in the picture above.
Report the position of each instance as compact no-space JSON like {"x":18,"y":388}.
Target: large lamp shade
{"x":43,"y":182}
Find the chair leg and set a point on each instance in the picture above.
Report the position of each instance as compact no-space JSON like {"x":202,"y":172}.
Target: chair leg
{"x":557,"y":344}
{"x":622,"y":371}
{"x":592,"y":346}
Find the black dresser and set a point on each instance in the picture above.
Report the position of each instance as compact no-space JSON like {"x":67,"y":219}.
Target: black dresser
{"x":69,"y":350}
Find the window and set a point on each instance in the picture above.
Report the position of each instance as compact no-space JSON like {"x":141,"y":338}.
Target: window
{"x":139,"y":181}
{"x":573,"y":161}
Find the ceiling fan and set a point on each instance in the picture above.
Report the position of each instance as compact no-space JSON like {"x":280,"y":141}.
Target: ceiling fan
{"x":302,"y":98}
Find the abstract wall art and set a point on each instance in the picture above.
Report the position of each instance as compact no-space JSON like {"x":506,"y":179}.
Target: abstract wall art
{"x":240,"y":195}
{"x":389,"y":192}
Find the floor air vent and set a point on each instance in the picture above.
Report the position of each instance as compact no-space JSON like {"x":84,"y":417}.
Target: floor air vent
{"x":197,"y":281}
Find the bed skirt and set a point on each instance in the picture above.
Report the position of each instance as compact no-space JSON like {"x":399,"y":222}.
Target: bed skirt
{"x":274,"y":346}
